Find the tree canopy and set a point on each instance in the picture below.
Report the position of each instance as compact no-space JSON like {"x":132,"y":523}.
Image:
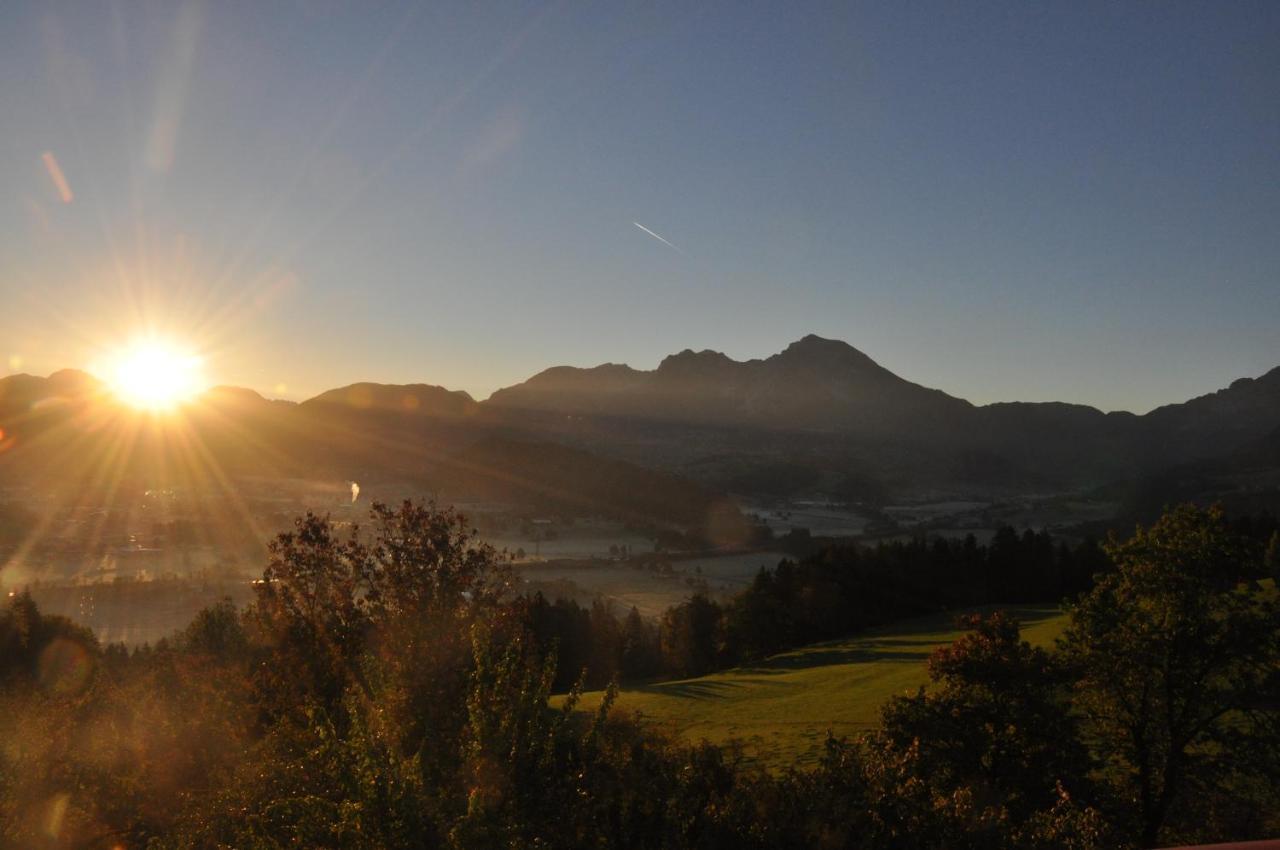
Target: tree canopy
{"x":1177,"y":658}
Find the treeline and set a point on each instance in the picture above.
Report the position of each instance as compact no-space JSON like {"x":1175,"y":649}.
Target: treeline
{"x":386,"y":691}
{"x":839,"y":591}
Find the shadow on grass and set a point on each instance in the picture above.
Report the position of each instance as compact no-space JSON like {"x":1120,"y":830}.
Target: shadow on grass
{"x":705,"y":688}
{"x":901,"y":644}
{"x":692,"y":689}
{"x":868,"y":651}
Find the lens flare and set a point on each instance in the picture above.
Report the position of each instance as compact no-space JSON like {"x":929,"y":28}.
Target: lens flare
{"x":64,"y":667}
{"x":154,"y":375}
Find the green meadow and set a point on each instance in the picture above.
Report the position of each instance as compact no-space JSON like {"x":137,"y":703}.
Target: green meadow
{"x":780,"y":709}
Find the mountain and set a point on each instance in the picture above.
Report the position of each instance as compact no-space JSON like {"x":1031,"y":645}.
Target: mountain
{"x":818,"y":418}
{"x":65,"y":438}
{"x":1244,"y":412}
{"x":1245,"y":480}
{"x":23,"y":396}
{"x":830,"y":412}
{"x":417,"y":399}
{"x":816,"y":384}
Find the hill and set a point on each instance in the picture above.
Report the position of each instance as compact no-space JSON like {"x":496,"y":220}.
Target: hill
{"x":843,"y":422}
{"x":1245,"y":481}
{"x":819,"y":419}
{"x":65,"y":437}
{"x":782,"y":707}
{"x":416,"y":399}
{"x":815,"y":384}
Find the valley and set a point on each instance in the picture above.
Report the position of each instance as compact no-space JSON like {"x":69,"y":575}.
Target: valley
{"x":780,"y":709}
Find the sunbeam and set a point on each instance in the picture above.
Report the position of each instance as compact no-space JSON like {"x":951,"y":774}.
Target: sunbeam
{"x":155,"y":375}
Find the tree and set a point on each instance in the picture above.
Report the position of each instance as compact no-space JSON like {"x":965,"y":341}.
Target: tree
{"x":217,"y":631}
{"x":604,"y":661}
{"x":311,"y":609}
{"x":760,"y":620}
{"x":995,"y":721}
{"x":390,"y":614}
{"x":637,"y":651}
{"x":41,"y":647}
{"x":364,"y":662}
{"x":428,"y":560}
{"x":1177,"y":654}
{"x":513,"y":745}
{"x":689,"y":636}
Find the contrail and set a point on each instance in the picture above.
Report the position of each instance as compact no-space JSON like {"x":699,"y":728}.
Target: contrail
{"x":60,"y":180}
{"x":656,"y":236}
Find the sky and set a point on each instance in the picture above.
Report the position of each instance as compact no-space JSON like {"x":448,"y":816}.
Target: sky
{"x":1053,"y":201}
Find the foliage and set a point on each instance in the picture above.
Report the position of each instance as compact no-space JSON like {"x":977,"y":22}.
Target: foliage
{"x":36,"y":647}
{"x":690,"y":641}
{"x":844,"y":590}
{"x":996,"y":721}
{"x":324,"y":604}
{"x":839,"y":591}
{"x":386,"y":689}
{"x":1178,"y":661}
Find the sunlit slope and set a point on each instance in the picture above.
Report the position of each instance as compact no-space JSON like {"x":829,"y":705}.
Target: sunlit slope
{"x":782,"y":708}
{"x":69,"y":434}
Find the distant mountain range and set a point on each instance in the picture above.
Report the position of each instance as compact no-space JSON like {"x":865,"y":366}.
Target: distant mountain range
{"x":828,"y":407}
{"x":660,"y":446}
{"x":814,"y":385}
{"x":65,"y":441}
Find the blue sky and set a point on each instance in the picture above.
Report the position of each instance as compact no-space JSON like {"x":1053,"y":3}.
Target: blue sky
{"x":1068,"y":201}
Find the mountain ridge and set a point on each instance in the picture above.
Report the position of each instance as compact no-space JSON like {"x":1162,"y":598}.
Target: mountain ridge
{"x":69,"y":377}
{"x":819,"y":405}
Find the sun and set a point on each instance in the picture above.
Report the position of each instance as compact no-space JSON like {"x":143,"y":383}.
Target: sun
{"x":155,"y":375}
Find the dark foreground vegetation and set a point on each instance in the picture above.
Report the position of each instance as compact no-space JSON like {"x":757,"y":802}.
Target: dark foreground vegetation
{"x":386,"y":689}
{"x":834,"y":592}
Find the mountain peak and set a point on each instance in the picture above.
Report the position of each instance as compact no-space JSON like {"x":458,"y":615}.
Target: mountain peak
{"x":21,"y":391}
{"x":812,"y":343}
{"x":690,"y":362}
{"x":814,"y":339}
{"x":425,"y":399}
{"x":813,"y":351}
{"x":224,"y":392}
{"x":73,"y":382}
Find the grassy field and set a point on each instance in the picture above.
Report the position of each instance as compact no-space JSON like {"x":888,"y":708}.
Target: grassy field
{"x":780,"y":709}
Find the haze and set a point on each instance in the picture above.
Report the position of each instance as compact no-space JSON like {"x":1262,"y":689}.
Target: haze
{"x":624,"y":426}
{"x":1075,"y":202}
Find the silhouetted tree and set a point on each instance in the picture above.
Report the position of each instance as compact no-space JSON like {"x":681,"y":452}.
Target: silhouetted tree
{"x":690,"y":635}
{"x":1178,"y":653}
{"x":323,"y":601}
{"x":1272,"y":557}
{"x":217,"y":631}
{"x":995,"y":721}
{"x":638,"y":651}
{"x":27,"y":637}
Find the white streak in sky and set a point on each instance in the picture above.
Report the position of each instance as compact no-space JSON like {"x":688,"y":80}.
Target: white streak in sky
{"x":59,"y":179}
{"x":656,"y":236}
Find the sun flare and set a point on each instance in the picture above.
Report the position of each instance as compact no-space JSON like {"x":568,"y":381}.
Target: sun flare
{"x":155,"y":375}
